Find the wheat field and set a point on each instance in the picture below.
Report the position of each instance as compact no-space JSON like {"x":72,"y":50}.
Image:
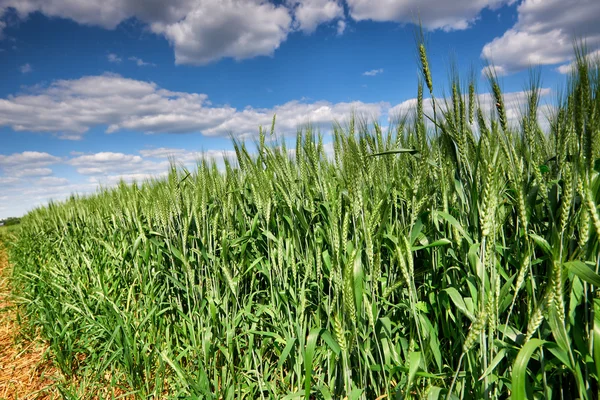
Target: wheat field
{"x":452,"y":255}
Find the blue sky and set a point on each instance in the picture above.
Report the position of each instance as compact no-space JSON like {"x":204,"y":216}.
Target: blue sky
{"x":92,"y":92}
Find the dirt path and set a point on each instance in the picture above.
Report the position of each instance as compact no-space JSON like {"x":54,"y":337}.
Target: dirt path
{"x":24,"y":373}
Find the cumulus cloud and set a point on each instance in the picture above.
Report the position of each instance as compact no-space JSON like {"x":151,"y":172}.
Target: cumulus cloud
{"x":592,"y":58}
{"x":294,"y":114}
{"x":71,"y":107}
{"x":201,"y":31}
{"x":112,"y":180}
{"x":373,"y":72}
{"x":341,"y":27}
{"x":545,"y":33}
{"x":52,"y":181}
{"x":141,"y":63}
{"x":188,"y":158}
{"x":113,"y":58}
{"x":109,"y":168}
{"x":20,"y":199}
{"x":19,"y":173}
{"x":8,"y":180}
{"x":237,"y":29}
{"x":27,"y":180}
{"x":109,"y":163}
{"x":514,"y":103}
{"x":107,"y":14}
{"x":28,"y":159}
{"x":433,"y":14}
{"x":33,"y":172}
{"x":493,"y":70}
{"x":26,"y":184}
{"x":178,"y":155}
{"x":163,"y":152}
{"x":204,"y":31}
{"x":25,"y":68}
{"x":308,"y":14}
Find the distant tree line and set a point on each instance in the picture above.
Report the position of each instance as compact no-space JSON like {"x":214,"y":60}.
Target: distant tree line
{"x":10,"y":221}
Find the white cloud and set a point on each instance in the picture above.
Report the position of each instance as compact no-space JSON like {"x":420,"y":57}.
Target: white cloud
{"x":141,"y":63}
{"x":112,"y":180}
{"x":25,"y":68}
{"x":107,"y":14}
{"x":201,"y":31}
{"x":238,"y":29}
{"x":27,"y":159}
{"x":373,"y":72}
{"x":309,"y":14}
{"x":24,"y":188}
{"x":52,"y":181}
{"x":21,"y":199}
{"x":545,"y":33}
{"x":162,"y":152}
{"x":19,"y":168}
{"x":494,"y":70}
{"x":204,"y":31}
{"x":33,"y":172}
{"x":113,"y":58}
{"x":341,"y":27}
{"x":186,"y":157}
{"x":71,"y":107}
{"x":433,"y":14}
{"x":291,"y":115}
{"x":7,"y":180}
{"x":592,"y":57}
{"x":108,"y":168}
{"x":69,"y":136}
{"x":178,"y":155}
{"x":107,"y":163}
{"x":514,"y":103}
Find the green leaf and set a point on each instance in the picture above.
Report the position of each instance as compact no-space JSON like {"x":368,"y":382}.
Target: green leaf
{"x":560,"y":354}
{"x":542,"y":243}
{"x":396,"y":151}
{"x":269,"y":235}
{"x":333,"y":345}
{"x":584,"y":272}
{"x":560,"y":334}
{"x":309,"y":353}
{"x":415,"y":361}
{"x":358,"y":280}
{"x":435,"y":393}
{"x":499,"y":357}
{"x":596,"y":335}
{"x":355,"y":394}
{"x":286,"y":351}
{"x":452,"y":221}
{"x":519,"y":374}
{"x":441,"y":242}
{"x":459,"y":303}
{"x":292,"y":396}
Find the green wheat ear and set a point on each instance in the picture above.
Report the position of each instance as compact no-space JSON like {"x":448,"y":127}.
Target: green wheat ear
{"x":425,"y":67}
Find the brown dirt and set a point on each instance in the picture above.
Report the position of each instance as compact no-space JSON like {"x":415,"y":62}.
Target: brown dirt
{"x":24,"y":371}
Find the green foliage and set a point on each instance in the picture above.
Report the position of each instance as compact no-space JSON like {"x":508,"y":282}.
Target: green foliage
{"x":439,"y":259}
{"x":10,"y":221}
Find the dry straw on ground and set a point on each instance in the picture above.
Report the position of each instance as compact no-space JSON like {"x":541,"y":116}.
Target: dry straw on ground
{"x":24,"y":371}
